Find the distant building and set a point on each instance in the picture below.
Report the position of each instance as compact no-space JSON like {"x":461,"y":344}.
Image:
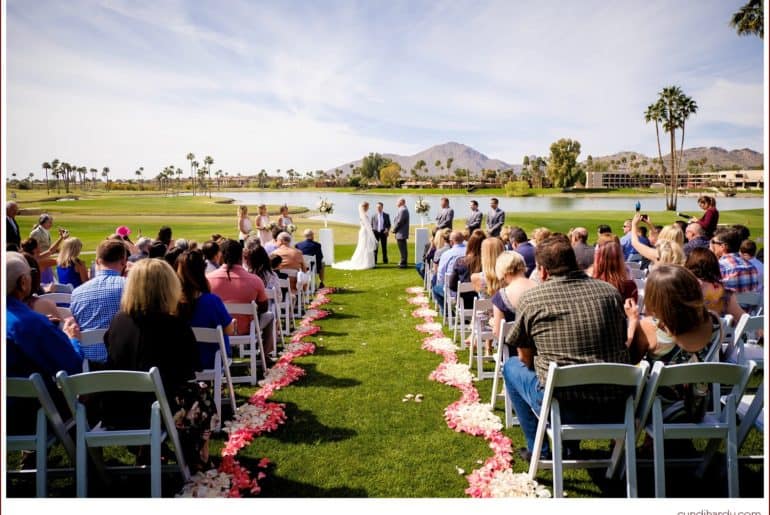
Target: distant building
{"x":738,"y":179}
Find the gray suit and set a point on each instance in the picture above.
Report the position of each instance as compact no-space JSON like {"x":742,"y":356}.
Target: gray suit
{"x":401,"y":230}
{"x":445,"y":218}
{"x":495,"y":221}
{"x":474,"y":221}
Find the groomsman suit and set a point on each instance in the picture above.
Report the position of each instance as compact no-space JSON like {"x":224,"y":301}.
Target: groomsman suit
{"x":381,"y":228}
{"x":495,"y":221}
{"x":445,"y":218}
{"x":12,"y":234}
{"x":474,"y":221}
{"x":401,"y":231}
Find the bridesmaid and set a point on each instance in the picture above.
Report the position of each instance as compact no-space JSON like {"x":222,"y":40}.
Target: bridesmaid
{"x":284,"y":219}
{"x":244,"y":224}
{"x":262,"y":222}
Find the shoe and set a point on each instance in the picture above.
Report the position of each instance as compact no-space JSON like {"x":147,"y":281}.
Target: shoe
{"x":526,"y":456}
{"x":402,"y":266}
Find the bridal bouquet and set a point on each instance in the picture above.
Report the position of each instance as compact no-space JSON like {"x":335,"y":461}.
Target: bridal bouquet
{"x":422,"y":207}
{"x":291,"y":228}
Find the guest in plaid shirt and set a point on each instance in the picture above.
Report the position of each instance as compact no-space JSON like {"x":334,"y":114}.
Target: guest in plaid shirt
{"x":95,"y":302}
{"x":568,"y":319}
{"x":737,"y":274}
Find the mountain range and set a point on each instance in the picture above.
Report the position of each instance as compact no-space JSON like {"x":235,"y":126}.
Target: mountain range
{"x":471,"y":159}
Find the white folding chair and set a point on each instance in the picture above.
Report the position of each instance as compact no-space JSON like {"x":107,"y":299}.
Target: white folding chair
{"x":40,"y":441}
{"x":312,"y":270}
{"x":751,"y":302}
{"x":88,"y":437}
{"x":578,"y":375}
{"x":480,"y":332}
{"x":498,"y":387}
{"x":744,"y":346}
{"x":297,"y":293}
{"x":286,"y":305}
{"x":449,"y":302}
{"x":90,"y":337}
{"x":634,"y":264}
{"x":637,"y":273}
{"x":221,"y":366}
{"x":640,"y":301}
{"x":640,"y":283}
{"x":274,"y":301}
{"x":751,"y":412}
{"x":250,"y":344}
{"x":60,"y":299}
{"x":716,"y":424}
{"x":462,"y":315}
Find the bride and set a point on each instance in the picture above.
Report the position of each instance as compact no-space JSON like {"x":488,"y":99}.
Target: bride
{"x":363,"y":257}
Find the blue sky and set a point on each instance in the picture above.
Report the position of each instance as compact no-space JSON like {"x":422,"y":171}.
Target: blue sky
{"x":311,"y":85}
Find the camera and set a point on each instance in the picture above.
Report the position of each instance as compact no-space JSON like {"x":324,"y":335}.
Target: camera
{"x":645,"y":218}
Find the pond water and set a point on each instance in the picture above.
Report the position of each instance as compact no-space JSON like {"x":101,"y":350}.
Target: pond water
{"x":346,"y":204}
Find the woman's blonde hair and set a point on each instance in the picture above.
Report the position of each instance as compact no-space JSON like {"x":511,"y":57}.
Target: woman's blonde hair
{"x":505,"y":233}
{"x":540,"y":234}
{"x":491,"y":248}
{"x":261,"y":207}
{"x":70,"y":250}
{"x":243,"y":210}
{"x":509,"y":263}
{"x":670,"y":253}
{"x":441,"y":237}
{"x":672,"y":233}
{"x":152,"y":286}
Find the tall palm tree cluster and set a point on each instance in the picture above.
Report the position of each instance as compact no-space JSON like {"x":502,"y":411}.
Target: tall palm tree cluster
{"x":67,"y":174}
{"x":201,"y":176}
{"x":670,"y":112}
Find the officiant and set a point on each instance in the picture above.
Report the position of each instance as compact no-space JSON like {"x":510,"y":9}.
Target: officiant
{"x":381,"y":229}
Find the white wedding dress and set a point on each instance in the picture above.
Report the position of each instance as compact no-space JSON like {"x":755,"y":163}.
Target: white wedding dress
{"x":363,"y":257}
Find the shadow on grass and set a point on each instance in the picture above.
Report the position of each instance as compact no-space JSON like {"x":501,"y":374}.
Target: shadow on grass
{"x":303,"y":427}
{"x":333,"y":333}
{"x":314,"y":378}
{"x":325,"y":351}
{"x":341,"y":316}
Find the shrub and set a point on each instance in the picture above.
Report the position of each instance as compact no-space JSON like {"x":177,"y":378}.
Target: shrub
{"x":517,"y":189}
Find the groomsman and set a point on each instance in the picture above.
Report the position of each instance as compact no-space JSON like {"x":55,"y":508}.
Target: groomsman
{"x":495,"y":219}
{"x":12,"y":233}
{"x":445,"y":216}
{"x":401,"y":230}
{"x":474,"y":219}
{"x":381,"y":228}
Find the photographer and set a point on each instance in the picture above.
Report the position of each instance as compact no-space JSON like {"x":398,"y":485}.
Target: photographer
{"x":41,"y":233}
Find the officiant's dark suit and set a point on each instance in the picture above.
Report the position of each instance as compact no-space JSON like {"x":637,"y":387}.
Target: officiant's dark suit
{"x":381,"y":229}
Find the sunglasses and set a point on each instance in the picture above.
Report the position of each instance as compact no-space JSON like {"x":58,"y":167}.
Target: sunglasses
{"x":717,"y":242}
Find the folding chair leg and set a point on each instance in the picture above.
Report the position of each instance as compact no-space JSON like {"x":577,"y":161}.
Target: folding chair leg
{"x":558,"y":479}
{"x":218,"y":398}
{"x":731,"y":453}
{"x":41,"y":458}
{"x":659,"y":455}
{"x":155,"y":470}
{"x":81,"y":456}
{"x":631,"y":490}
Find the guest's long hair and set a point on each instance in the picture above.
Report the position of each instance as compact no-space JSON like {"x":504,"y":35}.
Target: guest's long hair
{"x":232,"y":254}
{"x":256,"y":259}
{"x":491,"y":248}
{"x":473,"y":251}
{"x":705,"y":265}
{"x":673,"y":295}
{"x":609,"y":265}
{"x":151,"y":287}
{"x":70,"y":250}
{"x":191,"y":270}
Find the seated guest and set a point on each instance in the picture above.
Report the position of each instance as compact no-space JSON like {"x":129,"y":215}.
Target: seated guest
{"x":696,"y":238}
{"x":705,"y":266}
{"x":737,"y":274}
{"x":33,"y":343}
{"x":172,"y":255}
{"x":38,"y":304}
{"x":69,"y":268}
{"x":610,"y":267}
{"x":583,"y":251}
{"x":143,"y":249}
{"x":164,"y":235}
{"x":672,"y":253}
{"x":486,"y":282}
{"x":95,"y":303}
{"x":427,"y":254}
{"x":44,"y":260}
{"x":256,"y":261}
{"x":308,"y":247}
{"x":445,"y":264}
{"x":146,"y":333}
{"x":466,"y":265}
{"x":505,"y":237}
{"x":158,"y":249}
{"x":603,"y":229}
{"x":523,"y":247}
{"x":199,"y":307}
{"x":212,"y":254}
{"x":679,"y":329}
{"x":539,"y":234}
{"x":442,"y":244}
{"x":510,"y":269}
{"x":748,"y":251}
{"x":232,"y":283}
{"x":549,"y":319}
{"x":291,"y":258}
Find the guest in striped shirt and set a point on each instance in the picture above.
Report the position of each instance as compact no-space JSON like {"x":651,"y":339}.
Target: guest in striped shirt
{"x":737,"y":274}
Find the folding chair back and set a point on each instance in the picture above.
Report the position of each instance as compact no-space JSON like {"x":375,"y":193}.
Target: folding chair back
{"x":463,"y":315}
{"x":249,"y":345}
{"x":60,"y":299}
{"x":297,"y":292}
{"x":751,"y":302}
{"x":286,"y":306}
{"x":90,"y":337}
{"x":274,"y":302}
{"x":622,"y":432}
{"x":34,"y":388}
{"x":637,"y":273}
{"x":498,"y":387}
{"x":744,"y":347}
{"x":480,"y":332}
{"x":221,"y":365}
{"x":312,"y":270}
{"x":90,"y":383}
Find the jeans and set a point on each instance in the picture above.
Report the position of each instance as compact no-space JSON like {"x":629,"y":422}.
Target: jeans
{"x":438,"y":293}
{"x":526,"y":395}
{"x":420,"y":267}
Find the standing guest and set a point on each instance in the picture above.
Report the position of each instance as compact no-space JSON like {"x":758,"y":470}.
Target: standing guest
{"x":143,"y":249}
{"x":244,"y":224}
{"x":486,"y":283}
{"x":583,"y":251}
{"x":95,"y":303}
{"x":212,"y":254}
{"x":41,"y":233}
{"x":522,"y":245}
{"x":401,"y":230}
{"x":748,"y":251}
{"x":467,"y":265}
{"x":381,"y":228}
{"x":548,"y":318}
{"x":704,"y":264}
{"x":147,"y":333}
{"x":473,"y":221}
{"x":309,"y":247}
{"x":509,"y":269}
{"x":69,"y":268}
{"x":12,"y":233}
{"x":164,"y":235}
{"x":201,"y":308}
{"x":232,"y":283}
{"x":710,"y":217}
{"x":262,"y":223}
{"x":445,"y":264}
{"x":737,"y":274}
{"x":610,"y":267}
{"x":284,"y":219}
{"x":446,"y":215}
{"x":183,"y":244}
{"x":495,"y":219}
{"x":172,"y":255}
{"x":696,"y":238}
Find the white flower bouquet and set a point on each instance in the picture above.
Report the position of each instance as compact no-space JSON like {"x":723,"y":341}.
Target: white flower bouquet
{"x":291,"y":228}
{"x":325,"y":207}
{"x":271,"y":226}
{"x":422,"y":207}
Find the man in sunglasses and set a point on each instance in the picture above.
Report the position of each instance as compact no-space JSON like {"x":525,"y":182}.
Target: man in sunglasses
{"x":737,"y":274}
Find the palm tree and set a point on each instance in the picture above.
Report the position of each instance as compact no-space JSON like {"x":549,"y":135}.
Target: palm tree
{"x":93,"y":171}
{"x":138,"y":174}
{"x":687,"y":106}
{"x":218,"y":174}
{"x":65,"y":169}
{"x":654,"y":113}
{"x":46,"y":166}
{"x":750,"y":19}
{"x":55,"y":171}
{"x":178,"y":180}
{"x":208,"y":161}
{"x":190,"y":158}
{"x":106,"y":175}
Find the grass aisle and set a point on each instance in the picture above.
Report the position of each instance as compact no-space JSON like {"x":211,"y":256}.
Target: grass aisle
{"x":348,"y":433}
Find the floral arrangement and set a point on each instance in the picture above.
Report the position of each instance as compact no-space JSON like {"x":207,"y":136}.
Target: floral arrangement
{"x":325,"y":207}
{"x":271,"y":226}
{"x":291,"y":228}
{"x":415,"y":290}
{"x":422,"y":207}
{"x":420,"y":300}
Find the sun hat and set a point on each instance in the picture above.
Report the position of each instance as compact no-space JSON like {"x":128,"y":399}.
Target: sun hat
{"x":123,"y":231}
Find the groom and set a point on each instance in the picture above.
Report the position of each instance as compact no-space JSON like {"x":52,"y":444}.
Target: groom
{"x":381,"y":228}
{"x":401,"y":230}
